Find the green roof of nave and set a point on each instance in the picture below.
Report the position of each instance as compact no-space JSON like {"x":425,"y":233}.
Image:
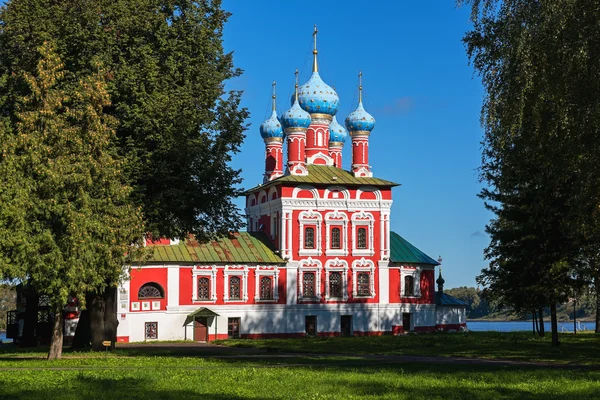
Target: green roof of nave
{"x":402,"y":251}
{"x":326,"y":175}
{"x":255,"y":247}
{"x":240,"y":247}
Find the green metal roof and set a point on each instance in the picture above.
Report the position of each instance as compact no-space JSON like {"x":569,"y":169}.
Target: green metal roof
{"x":403,"y":251}
{"x":240,"y":247}
{"x":327,"y":175}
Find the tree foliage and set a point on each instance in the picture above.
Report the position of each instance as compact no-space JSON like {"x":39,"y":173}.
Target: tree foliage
{"x":178,"y":126}
{"x":71,"y":221}
{"x":540,"y":64}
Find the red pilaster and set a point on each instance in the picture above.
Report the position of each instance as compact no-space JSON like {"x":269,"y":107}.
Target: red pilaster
{"x":296,"y":155}
{"x":335,"y":152}
{"x":273,"y":158}
{"x":360,"y":154}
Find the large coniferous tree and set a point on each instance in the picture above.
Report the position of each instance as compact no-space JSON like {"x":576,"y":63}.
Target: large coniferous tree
{"x":177,"y":125}
{"x":72,"y":221}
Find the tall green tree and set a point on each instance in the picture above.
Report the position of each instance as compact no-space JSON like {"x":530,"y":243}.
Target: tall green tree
{"x":178,"y":126}
{"x":71,"y":222}
{"x":540,"y":64}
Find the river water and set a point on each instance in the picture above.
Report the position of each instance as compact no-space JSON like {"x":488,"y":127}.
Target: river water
{"x":511,"y":326}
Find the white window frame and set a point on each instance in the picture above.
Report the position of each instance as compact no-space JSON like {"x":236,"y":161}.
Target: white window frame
{"x":336,"y":219}
{"x":243,"y":274}
{"x":359,"y":266}
{"x":198,"y":272}
{"x":305,"y":219}
{"x":309,"y":265}
{"x":274,"y":274}
{"x":337,"y":265}
{"x":416,"y":274}
{"x":360,"y":220}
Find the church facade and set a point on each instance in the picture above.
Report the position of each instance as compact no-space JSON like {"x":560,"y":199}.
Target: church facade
{"x":318,"y":257}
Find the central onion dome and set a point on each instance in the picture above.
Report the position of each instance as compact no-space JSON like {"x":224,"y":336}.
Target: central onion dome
{"x":360,"y":119}
{"x":315,"y":96}
{"x":271,"y":128}
{"x":337,"y":133}
{"x":295,"y":117}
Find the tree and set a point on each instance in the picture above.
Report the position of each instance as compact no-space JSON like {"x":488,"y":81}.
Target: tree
{"x":177,"y":125}
{"x":71,"y":223}
{"x":540,"y":64}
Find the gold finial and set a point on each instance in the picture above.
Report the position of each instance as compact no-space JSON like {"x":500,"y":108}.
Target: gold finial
{"x":360,"y":86}
{"x":274,"y":97}
{"x":315,"y":66}
{"x":296,"y":73}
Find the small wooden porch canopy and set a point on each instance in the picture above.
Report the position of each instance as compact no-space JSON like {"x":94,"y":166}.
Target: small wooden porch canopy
{"x":202,"y":312}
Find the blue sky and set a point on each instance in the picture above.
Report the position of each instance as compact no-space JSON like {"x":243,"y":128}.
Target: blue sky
{"x":417,"y":84}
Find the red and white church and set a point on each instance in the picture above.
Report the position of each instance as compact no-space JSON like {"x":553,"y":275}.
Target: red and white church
{"x":318,"y":258}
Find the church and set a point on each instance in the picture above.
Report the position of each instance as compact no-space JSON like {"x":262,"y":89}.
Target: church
{"x":318,"y":257}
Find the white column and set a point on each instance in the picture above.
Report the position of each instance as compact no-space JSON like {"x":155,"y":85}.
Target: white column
{"x":172,"y":286}
{"x":384,"y":282}
{"x":292,"y":283}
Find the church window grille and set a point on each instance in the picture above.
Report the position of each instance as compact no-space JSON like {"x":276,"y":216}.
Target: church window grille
{"x":151,"y":330}
{"x":362,"y":238}
{"x":235,"y":292}
{"x":409,"y":286}
{"x":363,"y":284}
{"x":335,"y":284}
{"x":203,"y":289}
{"x":151,"y":291}
{"x":308,"y":283}
{"x":336,"y":238}
{"x":309,"y":238}
{"x":266,"y":288}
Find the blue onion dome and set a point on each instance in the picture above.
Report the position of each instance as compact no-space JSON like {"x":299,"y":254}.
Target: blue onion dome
{"x":316,"y":97}
{"x":295,"y":117}
{"x":337,"y":133}
{"x":271,"y":128}
{"x":360,"y":120}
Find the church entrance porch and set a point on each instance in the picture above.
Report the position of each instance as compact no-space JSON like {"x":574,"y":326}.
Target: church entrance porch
{"x":202,"y":319}
{"x":201,"y":329}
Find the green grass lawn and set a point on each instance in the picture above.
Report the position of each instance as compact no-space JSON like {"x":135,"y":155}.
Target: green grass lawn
{"x":187,"y":373}
{"x":523,"y":346}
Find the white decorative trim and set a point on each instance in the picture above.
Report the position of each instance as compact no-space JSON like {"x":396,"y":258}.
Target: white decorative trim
{"x":310,"y":217}
{"x":340,"y":189}
{"x":416,"y":274}
{"x":241,"y":272}
{"x":363,"y":265}
{"x":328,"y":160}
{"x":309,"y":265}
{"x":362,"y":219}
{"x":266,"y":271}
{"x":309,"y":188}
{"x":371,"y":189}
{"x":212,"y":274}
{"x":336,"y":219}
{"x":337,"y":265}
{"x":318,"y":204}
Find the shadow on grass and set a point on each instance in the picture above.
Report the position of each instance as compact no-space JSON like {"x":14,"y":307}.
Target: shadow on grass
{"x":402,"y":380}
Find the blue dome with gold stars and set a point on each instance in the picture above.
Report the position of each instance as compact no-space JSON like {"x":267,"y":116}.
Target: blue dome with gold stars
{"x":360,"y":120}
{"x":295,"y":117}
{"x":271,"y":128}
{"x":316,"y":97}
{"x":337,"y":133}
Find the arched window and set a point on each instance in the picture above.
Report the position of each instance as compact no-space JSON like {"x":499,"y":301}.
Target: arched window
{"x":336,"y":238}
{"x":235,"y":292}
{"x":309,"y":238}
{"x":266,"y":288}
{"x":335,"y":284}
{"x":308,"y":284}
{"x":151,"y":290}
{"x":361,"y":243}
{"x":409,"y":286}
{"x":363,"y":283}
{"x":203,"y":288}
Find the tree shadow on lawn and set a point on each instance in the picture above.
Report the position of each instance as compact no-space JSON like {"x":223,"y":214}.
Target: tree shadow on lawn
{"x":400,"y":380}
